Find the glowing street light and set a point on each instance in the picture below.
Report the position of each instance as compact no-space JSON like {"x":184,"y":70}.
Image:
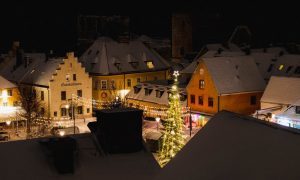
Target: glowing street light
{"x":8,"y":123}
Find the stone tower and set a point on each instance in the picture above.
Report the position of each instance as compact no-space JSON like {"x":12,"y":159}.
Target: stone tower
{"x":181,"y":36}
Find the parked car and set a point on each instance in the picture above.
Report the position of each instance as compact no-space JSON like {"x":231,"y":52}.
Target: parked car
{"x":62,"y":131}
{"x":4,"y":136}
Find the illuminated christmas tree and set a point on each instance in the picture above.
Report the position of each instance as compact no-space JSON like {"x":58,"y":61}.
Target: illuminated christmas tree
{"x":173,"y":136}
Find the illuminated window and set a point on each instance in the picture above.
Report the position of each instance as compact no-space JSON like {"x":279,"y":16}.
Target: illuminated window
{"x":150,"y":64}
{"x":128,"y":82}
{"x":211,"y":102}
{"x":192,"y":99}
{"x":103,"y":84}
{"x":201,"y":84}
{"x":280,"y":68}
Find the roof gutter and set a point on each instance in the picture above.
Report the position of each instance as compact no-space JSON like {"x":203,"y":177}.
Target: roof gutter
{"x":234,"y":93}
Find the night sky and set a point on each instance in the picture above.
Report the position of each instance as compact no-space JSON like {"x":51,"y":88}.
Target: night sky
{"x":43,"y":25}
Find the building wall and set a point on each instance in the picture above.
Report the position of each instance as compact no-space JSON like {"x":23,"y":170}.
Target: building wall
{"x":240,"y":103}
{"x":60,"y":83}
{"x":121,"y":84}
{"x":208,"y":91}
{"x":11,"y":100}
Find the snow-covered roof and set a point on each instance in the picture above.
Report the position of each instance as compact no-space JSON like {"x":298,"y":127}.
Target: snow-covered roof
{"x":159,"y":85}
{"x":31,"y":162}
{"x":106,"y":56}
{"x":39,"y":71}
{"x":209,"y":54}
{"x":231,"y":146}
{"x":216,"y":47}
{"x":5,"y":84}
{"x":234,"y":74}
{"x":273,"y":64}
{"x":282,"y":90}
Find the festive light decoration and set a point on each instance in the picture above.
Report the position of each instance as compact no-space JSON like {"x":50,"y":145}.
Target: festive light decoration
{"x":173,"y":136}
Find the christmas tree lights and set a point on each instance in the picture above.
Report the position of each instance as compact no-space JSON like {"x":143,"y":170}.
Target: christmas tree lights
{"x":173,"y":137}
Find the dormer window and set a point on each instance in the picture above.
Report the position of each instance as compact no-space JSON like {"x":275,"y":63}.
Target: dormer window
{"x":159,"y":93}
{"x":117,"y":63}
{"x":297,"y":109}
{"x":136,"y":89}
{"x":148,"y":91}
{"x":150,"y":64}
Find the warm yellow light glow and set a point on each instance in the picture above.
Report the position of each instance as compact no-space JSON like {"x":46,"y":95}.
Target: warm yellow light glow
{"x":157,"y":119}
{"x":281,"y":67}
{"x":8,"y":123}
{"x":7,"y":109}
{"x":67,"y":106}
{"x":150,"y":65}
{"x":273,"y":116}
{"x":61,"y":133}
{"x":123,"y":93}
{"x":4,"y":96}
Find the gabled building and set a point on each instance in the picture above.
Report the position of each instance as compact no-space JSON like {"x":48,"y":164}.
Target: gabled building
{"x":57,"y":81}
{"x":282,"y":99}
{"x":117,"y":67}
{"x":153,"y":97}
{"x":9,"y":97}
{"x":225,"y":83}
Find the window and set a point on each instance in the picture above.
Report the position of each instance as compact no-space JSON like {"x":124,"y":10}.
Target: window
{"x":112,"y":84}
{"x":63,"y":112}
{"x":87,"y":110}
{"x":288,"y":69}
{"x":42,"y":96}
{"x":79,"y":93}
{"x":270,"y":67}
{"x":201,"y":84}
{"x":200,"y":100}
{"x":138,"y":80}
{"x":128,"y":82}
{"x":297,"y":109}
{"x":280,"y":68}
{"x":192,"y":99}
{"x":63,"y":95}
{"x":42,"y":111}
{"x":150,"y":64}
{"x":297,"y":70}
{"x":211,"y":102}
{"x":55,"y":113}
{"x":79,"y":110}
{"x":159,"y":93}
{"x":136,"y":89}
{"x":74,"y":77}
{"x":68,"y":77}
{"x":147,"y":91}
{"x":253,"y":100}
{"x":103,"y":84}
{"x":9,"y":92}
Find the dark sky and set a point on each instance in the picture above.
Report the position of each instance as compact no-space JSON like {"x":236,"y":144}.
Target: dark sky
{"x":52,"y":24}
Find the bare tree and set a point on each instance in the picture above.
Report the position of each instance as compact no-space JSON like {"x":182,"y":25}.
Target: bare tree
{"x":33,"y":111}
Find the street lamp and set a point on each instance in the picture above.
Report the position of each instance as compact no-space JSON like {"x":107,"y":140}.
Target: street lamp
{"x":157,"y":119}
